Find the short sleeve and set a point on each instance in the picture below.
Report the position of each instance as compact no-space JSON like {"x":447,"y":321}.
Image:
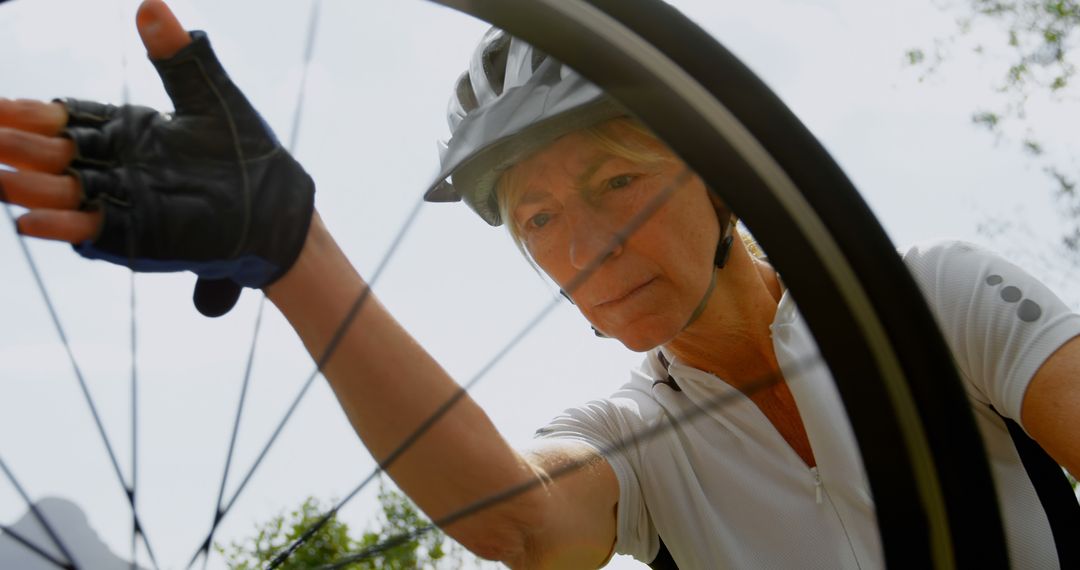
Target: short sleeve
{"x":609,"y":427}
{"x":1000,"y":322}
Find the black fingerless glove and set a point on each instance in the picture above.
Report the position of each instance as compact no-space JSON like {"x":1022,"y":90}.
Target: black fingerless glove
{"x":208,"y":189}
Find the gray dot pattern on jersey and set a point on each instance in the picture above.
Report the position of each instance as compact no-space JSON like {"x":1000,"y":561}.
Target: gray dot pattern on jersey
{"x":1029,"y":311}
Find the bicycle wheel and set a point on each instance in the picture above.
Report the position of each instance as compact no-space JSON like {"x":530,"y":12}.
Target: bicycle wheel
{"x":729,"y":127}
{"x":928,"y":472}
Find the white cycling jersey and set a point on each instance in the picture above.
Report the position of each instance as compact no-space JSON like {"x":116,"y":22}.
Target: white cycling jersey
{"x":725,"y":490}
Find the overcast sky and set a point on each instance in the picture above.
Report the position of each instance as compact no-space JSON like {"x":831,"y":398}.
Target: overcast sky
{"x":375,"y":107}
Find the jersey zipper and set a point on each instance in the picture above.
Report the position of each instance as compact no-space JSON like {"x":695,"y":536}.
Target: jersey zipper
{"x":819,"y":493}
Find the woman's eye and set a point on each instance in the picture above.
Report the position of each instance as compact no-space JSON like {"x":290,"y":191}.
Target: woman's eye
{"x":621,"y":181}
{"x":539,"y":220}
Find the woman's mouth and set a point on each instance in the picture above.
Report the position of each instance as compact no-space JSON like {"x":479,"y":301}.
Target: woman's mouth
{"x":629,"y":294}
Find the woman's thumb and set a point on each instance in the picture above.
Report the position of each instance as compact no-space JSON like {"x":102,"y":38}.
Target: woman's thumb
{"x":161,"y":32}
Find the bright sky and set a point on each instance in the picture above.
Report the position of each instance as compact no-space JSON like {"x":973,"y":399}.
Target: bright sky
{"x":375,"y":106}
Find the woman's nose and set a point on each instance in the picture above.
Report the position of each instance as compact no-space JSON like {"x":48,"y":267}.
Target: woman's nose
{"x":592,"y":240}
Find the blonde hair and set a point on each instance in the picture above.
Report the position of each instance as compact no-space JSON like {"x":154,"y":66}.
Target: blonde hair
{"x":642,"y":147}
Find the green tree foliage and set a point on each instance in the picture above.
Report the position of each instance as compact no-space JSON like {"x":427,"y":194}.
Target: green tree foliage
{"x":1035,"y":55}
{"x":333,"y":541}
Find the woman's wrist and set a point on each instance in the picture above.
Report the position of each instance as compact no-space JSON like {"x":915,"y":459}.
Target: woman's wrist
{"x":320,"y":269}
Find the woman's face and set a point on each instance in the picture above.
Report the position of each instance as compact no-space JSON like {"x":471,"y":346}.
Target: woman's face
{"x":576,"y":197}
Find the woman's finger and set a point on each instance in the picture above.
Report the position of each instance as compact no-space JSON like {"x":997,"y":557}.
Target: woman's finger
{"x":32,"y":151}
{"x":32,"y":116}
{"x":161,"y":32}
{"x":61,"y":225}
{"x":39,"y":190}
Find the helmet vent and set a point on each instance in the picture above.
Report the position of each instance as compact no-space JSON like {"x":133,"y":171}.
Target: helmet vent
{"x":512,"y":100}
{"x":466,"y":97}
{"x":538,"y":57}
{"x":494,"y":62}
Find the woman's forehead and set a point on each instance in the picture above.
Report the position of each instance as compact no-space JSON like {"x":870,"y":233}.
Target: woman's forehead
{"x":576,"y":149}
{"x":574,"y":161}
{"x":574,"y":170}
{"x":588,"y":148}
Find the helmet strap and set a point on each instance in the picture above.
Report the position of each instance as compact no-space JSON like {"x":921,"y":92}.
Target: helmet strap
{"x":723,"y":251}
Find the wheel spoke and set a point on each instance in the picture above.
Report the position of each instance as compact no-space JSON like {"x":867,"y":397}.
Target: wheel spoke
{"x":619,"y":446}
{"x":294,"y":136}
{"x":617,"y":241}
{"x":39,"y":516}
{"x":335,"y":340}
{"x":34,"y":548}
{"x":79,"y":377}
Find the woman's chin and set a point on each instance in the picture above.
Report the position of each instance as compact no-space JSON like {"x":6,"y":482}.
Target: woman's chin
{"x":639,"y":339}
{"x":639,"y":346}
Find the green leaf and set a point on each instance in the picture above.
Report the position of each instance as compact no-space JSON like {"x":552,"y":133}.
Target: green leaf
{"x":1017,"y":72}
{"x":332,"y":542}
{"x":987,"y":119}
{"x":915,"y":56}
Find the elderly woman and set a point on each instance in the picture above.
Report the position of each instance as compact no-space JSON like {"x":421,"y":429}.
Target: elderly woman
{"x":771,"y":480}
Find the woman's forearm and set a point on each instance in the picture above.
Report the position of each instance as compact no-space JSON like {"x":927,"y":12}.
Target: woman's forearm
{"x":388,"y":386}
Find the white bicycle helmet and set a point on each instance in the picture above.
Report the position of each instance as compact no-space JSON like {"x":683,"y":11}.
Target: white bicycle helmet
{"x":512,"y":101}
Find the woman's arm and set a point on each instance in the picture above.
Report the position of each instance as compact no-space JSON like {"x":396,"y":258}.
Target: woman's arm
{"x":1015,"y":341}
{"x":388,"y":385}
{"x":1051,"y":410}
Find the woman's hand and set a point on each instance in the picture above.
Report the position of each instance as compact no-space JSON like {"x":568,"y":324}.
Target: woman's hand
{"x":206,"y":189}
{"x":30,"y":141}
